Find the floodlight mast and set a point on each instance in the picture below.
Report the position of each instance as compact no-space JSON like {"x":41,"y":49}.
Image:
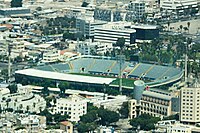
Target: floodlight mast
{"x":9,"y":68}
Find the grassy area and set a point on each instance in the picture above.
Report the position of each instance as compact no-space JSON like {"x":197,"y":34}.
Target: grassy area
{"x":86,"y":74}
{"x":125,"y":82}
{"x":198,"y":55}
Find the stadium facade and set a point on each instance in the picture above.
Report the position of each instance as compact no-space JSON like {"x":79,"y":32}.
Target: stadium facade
{"x":98,"y":71}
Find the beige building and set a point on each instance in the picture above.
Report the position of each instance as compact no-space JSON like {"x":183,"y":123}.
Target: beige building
{"x":152,"y":103}
{"x":66,"y":126}
{"x":190,"y":105}
{"x":74,"y":106}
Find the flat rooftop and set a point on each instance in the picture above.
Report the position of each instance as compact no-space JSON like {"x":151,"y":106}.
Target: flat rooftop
{"x":65,"y":77}
{"x":144,"y":26}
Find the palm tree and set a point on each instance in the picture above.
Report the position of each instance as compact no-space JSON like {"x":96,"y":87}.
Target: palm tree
{"x":188,"y":25}
{"x":168,"y":25}
{"x":27,"y":108}
{"x":181,"y":27}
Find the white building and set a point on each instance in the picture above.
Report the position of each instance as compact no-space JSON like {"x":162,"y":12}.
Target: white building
{"x":32,"y":122}
{"x":154,"y":104}
{"x":179,"y":128}
{"x":179,"y":6}
{"x":18,"y":49}
{"x":86,"y":48}
{"x":110,"y":33}
{"x":87,"y":27}
{"x":22,"y":100}
{"x":74,"y":106}
{"x":50,"y":57}
{"x":190,"y":105}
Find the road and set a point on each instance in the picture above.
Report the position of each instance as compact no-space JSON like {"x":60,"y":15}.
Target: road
{"x":193,"y":29}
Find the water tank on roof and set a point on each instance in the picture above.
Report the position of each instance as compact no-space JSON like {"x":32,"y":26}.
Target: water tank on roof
{"x":138,"y":89}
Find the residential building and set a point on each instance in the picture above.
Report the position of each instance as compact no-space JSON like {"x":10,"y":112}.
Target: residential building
{"x":32,"y":122}
{"x":190,"y":104}
{"x":88,"y":47}
{"x":50,"y":57}
{"x":74,"y":106}
{"x":66,"y":126}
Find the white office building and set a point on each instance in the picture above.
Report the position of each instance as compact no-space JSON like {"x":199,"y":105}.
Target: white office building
{"x":190,"y":105}
{"x":179,"y":6}
{"x":110,"y":33}
{"x":74,"y":106}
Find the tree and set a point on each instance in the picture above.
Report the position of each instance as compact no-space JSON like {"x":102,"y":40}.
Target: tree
{"x":107,"y":116}
{"x":12,"y":88}
{"x":16,"y":3}
{"x":172,"y":117}
{"x":4,"y":73}
{"x":27,"y":108}
{"x":181,"y":27}
{"x":69,"y":36}
{"x":39,"y":8}
{"x":124,"y":110}
{"x":120,"y":43}
{"x":84,"y":4}
{"x":145,"y":121}
{"x":86,"y":127}
{"x":168,"y":25}
{"x":188,"y":26}
{"x":89,"y":117}
{"x":62,"y":86}
{"x":45,"y":91}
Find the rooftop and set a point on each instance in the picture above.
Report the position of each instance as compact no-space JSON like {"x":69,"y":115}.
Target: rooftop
{"x":157,"y":95}
{"x":65,"y":77}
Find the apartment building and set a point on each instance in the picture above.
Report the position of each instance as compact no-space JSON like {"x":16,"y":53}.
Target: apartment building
{"x":190,"y":105}
{"x":74,"y":106}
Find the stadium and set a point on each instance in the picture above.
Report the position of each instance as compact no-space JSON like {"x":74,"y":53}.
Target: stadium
{"x":100,"y":70}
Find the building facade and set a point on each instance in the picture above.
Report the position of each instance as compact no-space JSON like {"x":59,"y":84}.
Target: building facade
{"x":138,"y":7}
{"x":74,"y":106}
{"x":190,"y":105}
{"x":179,"y":6}
{"x":13,"y":11}
{"x":152,"y":103}
{"x":23,"y":100}
{"x":110,"y":33}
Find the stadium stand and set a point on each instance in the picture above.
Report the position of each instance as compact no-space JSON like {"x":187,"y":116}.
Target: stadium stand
{"x":106,"y":66}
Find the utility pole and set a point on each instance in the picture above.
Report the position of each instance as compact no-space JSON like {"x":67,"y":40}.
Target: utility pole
{"x":121,"y":59}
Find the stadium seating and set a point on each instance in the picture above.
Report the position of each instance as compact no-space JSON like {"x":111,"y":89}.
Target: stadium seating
{"x":111,"y":67}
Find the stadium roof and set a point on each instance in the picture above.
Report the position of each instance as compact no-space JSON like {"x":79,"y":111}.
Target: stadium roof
{"x":65,"y":77}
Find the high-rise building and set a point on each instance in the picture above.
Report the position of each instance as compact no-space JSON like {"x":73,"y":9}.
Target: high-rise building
{"x":138,"y":7}
{"x":190,"y":104}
